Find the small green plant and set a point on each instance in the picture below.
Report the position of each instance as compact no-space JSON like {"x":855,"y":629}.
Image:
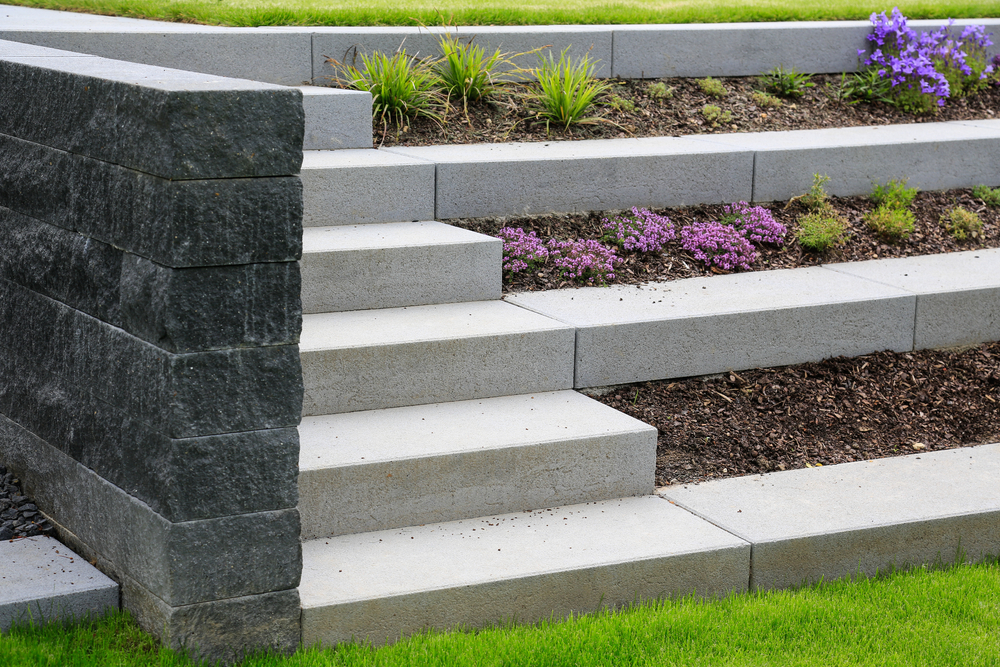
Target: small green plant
{"x":465,"y":71}
{"x":401,"y":86}
{"x":816,"y":199}
{"x":712,"y":87}
{"x":893,"y":194}
{"x":785,"y":82}
{"x":962,"y":224}
{"x":659,"y":91}
{"x":865,"y":85}
{"x":989,"y":197}
{"x":621,"y":104}
{"x":716,"y":116}
{"x":821,"y":230}
{"x":566,"y":90}
{"x":893,"y":224}
{"x":764,"y":100}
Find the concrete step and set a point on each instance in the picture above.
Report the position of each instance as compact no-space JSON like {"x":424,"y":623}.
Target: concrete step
{"x":525,"y":566}
{"x":371,"y":359}
{"x":868,"y":516}
{"x":731,"y":322}
{"x":42,"y":581}
{"x":336,"y":118}
{"x":364,"y":186}
{"x":359,"y":267}
{"x":373,"y":470}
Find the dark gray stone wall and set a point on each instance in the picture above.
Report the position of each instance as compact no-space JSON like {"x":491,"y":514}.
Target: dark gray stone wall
{"x":150,"y":384}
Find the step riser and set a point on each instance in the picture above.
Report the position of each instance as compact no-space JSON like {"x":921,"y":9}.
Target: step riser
{"x":411,"y":492}
{"x":336,"y":118}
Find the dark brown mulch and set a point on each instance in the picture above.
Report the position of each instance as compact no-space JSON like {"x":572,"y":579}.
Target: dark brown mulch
{"x":929,"y":237}
{"x":510,"y":117}
{"x":834,"y":411}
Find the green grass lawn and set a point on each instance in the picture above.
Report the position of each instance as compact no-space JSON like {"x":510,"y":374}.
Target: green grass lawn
{"x":502,"y":12}
{"x":918,"y":617}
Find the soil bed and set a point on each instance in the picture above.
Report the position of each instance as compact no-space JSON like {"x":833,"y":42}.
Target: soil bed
{"x":510,"y":117}
{"x":929,"y":237}
{"x":834,"y":411}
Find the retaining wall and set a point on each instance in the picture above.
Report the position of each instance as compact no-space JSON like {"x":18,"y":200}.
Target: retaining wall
{"x":149,"y":324}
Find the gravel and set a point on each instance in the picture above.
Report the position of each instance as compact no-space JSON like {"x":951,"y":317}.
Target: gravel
{"x":19,"y":516}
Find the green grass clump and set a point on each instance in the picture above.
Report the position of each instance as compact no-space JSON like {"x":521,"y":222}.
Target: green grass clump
{"x":892,"y":224}
{"x":765,"y":100}
{"x":401,"y":86}
{"x":865,"y":85}
{"x":659,"y":91}
{"x":785,"y":82}
{"x":893,"y":194}
{"x":962,"y":224}
{"x":821,"y":230}
{"x":465,"y":71}
{"x":716,"y":116}
{"x":567,"y":90}
{"x":712,"y":87}
{"x":990,"y":197}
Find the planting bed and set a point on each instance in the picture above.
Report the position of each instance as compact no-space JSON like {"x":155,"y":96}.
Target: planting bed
{"x":19,"y":517}
{"x":929,"y":237}
{"x":510,"y":117}
{"x":834,"y":411}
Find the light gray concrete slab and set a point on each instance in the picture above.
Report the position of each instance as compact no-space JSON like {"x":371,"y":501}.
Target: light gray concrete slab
{"x":958,"y":294}
{"x":336,"y":118}
{"x":836,"y":521}
{"x":357,"y":187}
{"x":359,"y":267}
{"x":346,"y":45}
{"x":365,"y":471}
{"x":477,"y":180}
{"x":528,"y":566}
{"x":41,"y":581}
{"x":366,"y":360}
{"x":732,"y":322}
{"x":932,"y":156}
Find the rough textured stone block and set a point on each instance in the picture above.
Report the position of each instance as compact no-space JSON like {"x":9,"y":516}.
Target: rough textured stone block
{"x":479,"y":180}
{"x":382,"y":469}
{"x":192,"y":125}
{"x":175,"y":223}
{"x":346,"y":44}
{"x":357,"y":187}
{"x":958,"y":294}
{"x":863,"y":517}
{"x":179,"y":395}
{"x":932,"y":156}
{"x":336,"y":118}
{"x":364,"y":360}
{"x":528,"y":566}
{"x":43,"y":581}
{"x":179,"y":310}
{"x":181,"y":563}
{"x":397,"y":264}
{"x":710,"y":325}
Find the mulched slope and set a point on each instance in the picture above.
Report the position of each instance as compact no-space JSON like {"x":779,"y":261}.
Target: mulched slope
{"x":929,"y":237}
{"x":834,"y":411}
{"x":19,"y":517}
{"x":510,"y":117}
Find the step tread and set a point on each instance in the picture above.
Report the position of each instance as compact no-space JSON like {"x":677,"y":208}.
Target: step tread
{"x":369,"y":328}
{"x":931,"y":274}
{"x":344,"y":238}
{"x":506,"y":547}
{"x":398,"y":434}
{"x":355,"y":158}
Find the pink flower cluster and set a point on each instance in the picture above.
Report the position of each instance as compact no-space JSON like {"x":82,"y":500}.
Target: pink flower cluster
{"x":754,"y":222}
{"x":584,"y":260}
{"x":643,"y":231}
{"x":718,"y":244}
{"x":521,"y":251}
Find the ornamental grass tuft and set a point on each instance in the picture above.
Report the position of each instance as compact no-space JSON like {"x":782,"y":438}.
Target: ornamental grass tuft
{"x":402,"y":86}
{"x":465,"y":72}
{"x":642,"y":231}
{"x":718,"y":245}
{"x":785,"y":82}
{"x":566,"y":90}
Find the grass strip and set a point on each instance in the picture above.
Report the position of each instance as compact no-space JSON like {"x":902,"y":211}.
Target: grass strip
{"x":499,"y":12}
{"x":922,"y":616}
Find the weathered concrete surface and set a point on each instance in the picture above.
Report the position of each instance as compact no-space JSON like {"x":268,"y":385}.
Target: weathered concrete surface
{"x":336,"y":118}
{"x":528,"y":566}
{"x":373,"y":470}
{"x":837,"y":521}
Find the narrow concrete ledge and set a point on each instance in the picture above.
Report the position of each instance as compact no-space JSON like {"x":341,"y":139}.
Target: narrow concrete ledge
{"x":858,"y":517}
{"x":477,"y":180}
{"x":958,"y":294}
{"x":526,"y":566}
{"x":933,"y":156}
{"x":374,"y":470}
{"x":357,"y":187}
{"x":371,"y":359}
{"x":360,"y":267}
{"x":336,"y":118}
{"x":709,"y":325}
{"x":42,"y":581}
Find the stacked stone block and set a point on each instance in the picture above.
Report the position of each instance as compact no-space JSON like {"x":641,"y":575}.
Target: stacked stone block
{"x":150,"y":382}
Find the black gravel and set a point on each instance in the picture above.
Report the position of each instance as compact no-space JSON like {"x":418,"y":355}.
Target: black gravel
{"x":19,"y":516}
